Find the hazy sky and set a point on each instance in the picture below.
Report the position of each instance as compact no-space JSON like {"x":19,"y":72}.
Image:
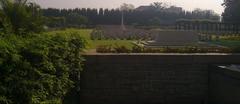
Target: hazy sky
{"x":186,"y":4}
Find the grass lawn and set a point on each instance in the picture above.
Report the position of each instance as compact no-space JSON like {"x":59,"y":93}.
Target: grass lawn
{"x":93,"y":44}
{"x":228,"y":43}
{"x":82,"y":32}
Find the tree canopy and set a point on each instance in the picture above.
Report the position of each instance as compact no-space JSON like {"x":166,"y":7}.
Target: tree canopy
{"x":20,"y":16}
{"x":144,"y":15}
{"x":126,"y":7}
{"x":232,"y":11}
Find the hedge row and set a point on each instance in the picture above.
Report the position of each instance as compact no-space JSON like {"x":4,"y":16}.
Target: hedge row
{"x":187,"y":49}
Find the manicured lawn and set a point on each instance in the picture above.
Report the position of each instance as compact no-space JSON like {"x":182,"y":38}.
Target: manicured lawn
{"x":82,"y":32}
{"x":228,"y":43}
{"x":93,"y":44}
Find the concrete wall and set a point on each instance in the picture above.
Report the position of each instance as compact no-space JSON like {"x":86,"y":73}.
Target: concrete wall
{"x":149,"y":78}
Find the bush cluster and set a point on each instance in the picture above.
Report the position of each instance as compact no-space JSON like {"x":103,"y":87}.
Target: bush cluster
{"x":39,"y":68}
{"x":187,"y":49}
{"x":235,"y":37}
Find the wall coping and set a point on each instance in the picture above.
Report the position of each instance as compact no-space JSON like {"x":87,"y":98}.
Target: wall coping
{"x":163,"y":58}
{"x":161,"y":54}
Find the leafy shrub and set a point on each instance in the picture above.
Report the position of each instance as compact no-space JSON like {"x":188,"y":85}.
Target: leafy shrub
{"x":234,"y":37}
{"x":137,"y":49}
{"x":20,"y":17}
{"x":189,"y":49}
{"x":40,"y":68}
{"x":113,"y":49}
{"x":121,"y":49}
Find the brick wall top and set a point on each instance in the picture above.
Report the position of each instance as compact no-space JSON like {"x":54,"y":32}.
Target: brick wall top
{"x":164,"y":58}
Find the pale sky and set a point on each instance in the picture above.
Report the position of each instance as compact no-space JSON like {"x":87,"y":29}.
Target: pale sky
{"x":186,"y":4}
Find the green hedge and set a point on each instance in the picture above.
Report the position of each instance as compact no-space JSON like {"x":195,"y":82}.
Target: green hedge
{"x":39,"y":69}
{"x":186,"y":49}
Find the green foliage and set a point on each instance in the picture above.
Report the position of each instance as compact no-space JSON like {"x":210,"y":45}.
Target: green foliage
{"x":121,"y":49}
{"x":113,"y":49}
{"x":140,"y":16}
{"x":71,"y":20}
{"x":234,"y":37}
{"x":232,"y":41}
{"x":39,"y":69}
{"x":187,"y":49}
{"x":93,"y":44}
{"x":55,"y":21}
{"x":76,"y":19}
{"x":20,"y":17}
{"x":155,"y":21}
{"x":231,"y":12}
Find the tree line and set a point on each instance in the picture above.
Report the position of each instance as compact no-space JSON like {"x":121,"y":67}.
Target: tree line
{"x":154,"y":15}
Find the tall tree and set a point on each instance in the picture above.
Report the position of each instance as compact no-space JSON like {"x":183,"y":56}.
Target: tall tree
{"x":232,"y":11}
{"x":159,"y":5}
{"x":20,"y":16}
{"x":126,"y":7}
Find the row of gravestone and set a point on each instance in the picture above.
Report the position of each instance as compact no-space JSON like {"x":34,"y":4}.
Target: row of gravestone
{"x":208,"y":27}
{"x":116,"y":32}
{"x":158,"y":37}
